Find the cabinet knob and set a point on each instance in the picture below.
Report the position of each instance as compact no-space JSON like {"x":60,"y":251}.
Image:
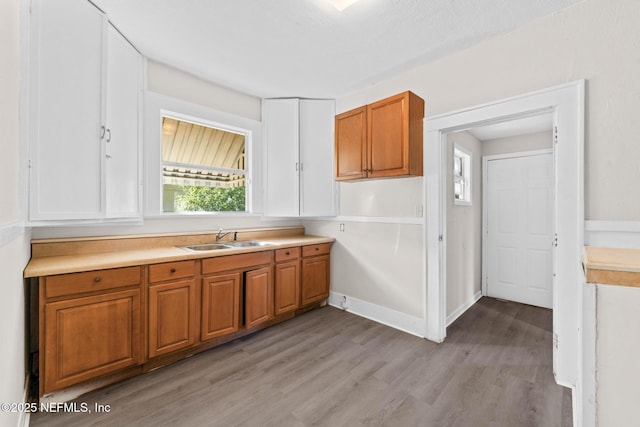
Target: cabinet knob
{"x":97,"y":280}
{"x":173,"y":270}
{"x":286,"y":253}
{"x":317,"y":249}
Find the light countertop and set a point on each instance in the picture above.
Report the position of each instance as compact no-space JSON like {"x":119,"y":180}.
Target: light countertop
{"x":612,"y":266}
{"x":77,"y":257}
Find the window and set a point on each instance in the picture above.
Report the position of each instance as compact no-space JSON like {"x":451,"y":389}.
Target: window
{"x":461,"y":176}
{"x":203,"y":167}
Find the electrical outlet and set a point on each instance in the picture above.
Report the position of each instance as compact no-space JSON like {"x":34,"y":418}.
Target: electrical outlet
{"x":344,"y":303}
{"x":341,"y":227}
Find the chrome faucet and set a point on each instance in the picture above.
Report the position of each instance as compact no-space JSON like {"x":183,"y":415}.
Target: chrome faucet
{"x":221,"y":235}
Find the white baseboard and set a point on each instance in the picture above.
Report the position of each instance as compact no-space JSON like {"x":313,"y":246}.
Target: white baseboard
{"x":612,"y":234}
{"x":464,"y":307}
{"x":395,"y":319}
{"x":25,"y":416}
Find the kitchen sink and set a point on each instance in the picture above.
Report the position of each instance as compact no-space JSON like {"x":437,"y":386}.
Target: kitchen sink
{"x":226,"y":245}
{"x":205,"y":247}
{"x":247,"y":243}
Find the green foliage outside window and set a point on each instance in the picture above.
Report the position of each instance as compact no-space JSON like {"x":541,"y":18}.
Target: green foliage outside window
{"x":211,"y":199}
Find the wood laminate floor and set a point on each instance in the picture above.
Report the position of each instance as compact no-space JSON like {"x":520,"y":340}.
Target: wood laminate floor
{"x":331,"y":368}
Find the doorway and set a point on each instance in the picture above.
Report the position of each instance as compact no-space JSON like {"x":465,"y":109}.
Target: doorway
{"x":566,"y":105}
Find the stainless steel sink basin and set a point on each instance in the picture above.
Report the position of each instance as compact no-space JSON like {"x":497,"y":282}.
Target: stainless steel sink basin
{"x":247,"y":243}
{"x":205,"y":247}
{"x":226,"y":245}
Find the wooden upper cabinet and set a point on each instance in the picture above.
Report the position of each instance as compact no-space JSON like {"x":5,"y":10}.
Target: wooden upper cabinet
{"x":383,"y":139}
{"x":351,"y":144}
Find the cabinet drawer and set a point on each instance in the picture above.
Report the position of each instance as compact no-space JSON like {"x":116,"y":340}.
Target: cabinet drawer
{"x":287,"y":254}
{"x":171,"y":270}
{"x":313,"y":250}
{"x":235,"y":262}
{"x":91,"y":281}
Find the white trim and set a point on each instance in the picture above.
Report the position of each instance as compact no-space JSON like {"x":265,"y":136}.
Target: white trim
{"x":464,"y":307}
{"x":387,"y":316}
{"x":567,"y":104}
{"x":618,"y":234}
{"x":10,"y":232}
{"x":516,"y":154}
{"x":586,"y":388}
{"x":373,"y":219}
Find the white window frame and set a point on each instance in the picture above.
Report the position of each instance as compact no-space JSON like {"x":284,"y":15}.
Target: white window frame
{"x":157,"y":106}
{"x":463,"y":177}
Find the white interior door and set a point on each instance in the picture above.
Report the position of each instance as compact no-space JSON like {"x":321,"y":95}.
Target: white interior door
{"x":519,"y":229}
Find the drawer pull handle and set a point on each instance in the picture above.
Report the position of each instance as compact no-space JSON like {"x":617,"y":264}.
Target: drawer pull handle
{"x":97,"y":280}
{"x":286,"y":253}
{"x":173,"y":270}
{"x":317,"y":249}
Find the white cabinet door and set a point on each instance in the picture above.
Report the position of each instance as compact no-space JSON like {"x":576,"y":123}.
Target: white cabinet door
{"x":298,"y":136}
{"x":317,"y":196}
{"x":121,"y":134}
{"x":281,"y":131}
{"x":65,"y":110}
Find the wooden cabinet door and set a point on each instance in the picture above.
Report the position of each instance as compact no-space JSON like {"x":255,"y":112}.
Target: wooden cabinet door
{"x":220,"y":305}
{"x":395,"y":136}
{"x":90,"y":336}
{"x":287,"y":286}
{"x":258,"y":296}
{"x":351,"y":144}
{"x":121,"y":135}
{"x":172,"y":317}
{"x":315,"y":279}
{"x":388,"y":153}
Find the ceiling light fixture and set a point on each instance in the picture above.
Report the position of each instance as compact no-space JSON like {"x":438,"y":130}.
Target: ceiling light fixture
{"x":342,"y":4}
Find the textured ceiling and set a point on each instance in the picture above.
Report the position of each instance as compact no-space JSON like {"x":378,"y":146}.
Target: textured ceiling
{"x":307,"y":48}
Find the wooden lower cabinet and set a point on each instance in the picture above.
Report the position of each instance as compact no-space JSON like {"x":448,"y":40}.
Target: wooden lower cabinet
{"x":90,"y":336}
{"x":220,"y":305}
{"x":172,"y":317}
{"x":258,"y":288}
{"x":92,"y":324}
{"x":315,"y":273}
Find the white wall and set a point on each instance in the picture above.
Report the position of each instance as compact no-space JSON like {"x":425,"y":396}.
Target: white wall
{"x":595,"y":40}
{"x":617,"y":350}
{"x":14,"y":239}
{"x":515,"y":144}
{"x":379,"y":263}
{"x":178,"y":84}
{"x":464,"y":229}
{"x":397,"y":197}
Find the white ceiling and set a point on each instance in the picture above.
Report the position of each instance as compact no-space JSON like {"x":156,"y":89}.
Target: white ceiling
{"x":307,"y":48}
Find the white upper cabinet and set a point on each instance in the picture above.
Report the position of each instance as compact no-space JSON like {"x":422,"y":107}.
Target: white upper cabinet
{"x":84,"y":91}
{"x":124,"y":67}
{"x":298,"y":135}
